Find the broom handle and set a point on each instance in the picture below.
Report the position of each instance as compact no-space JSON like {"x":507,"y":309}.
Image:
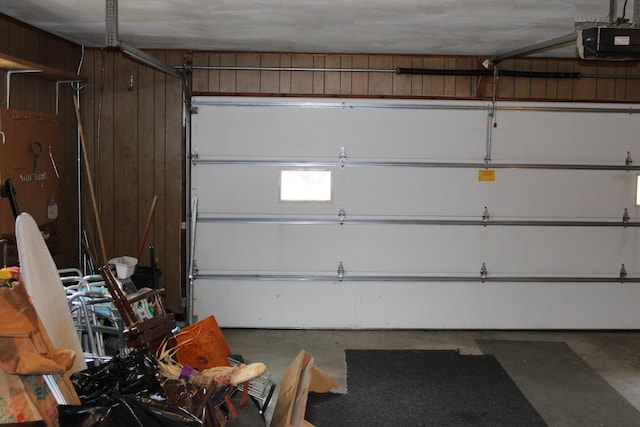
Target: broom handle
{"x":147,"y":226}
{"x":90,"y":182}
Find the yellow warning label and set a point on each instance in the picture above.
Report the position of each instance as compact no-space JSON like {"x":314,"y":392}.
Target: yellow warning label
{"x":486,"y":175}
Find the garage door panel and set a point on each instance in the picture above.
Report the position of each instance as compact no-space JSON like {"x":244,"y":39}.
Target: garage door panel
{"x":566,"y":137}
{"x":423,"y":192}
{"x":455,"y":193}
{"x":363,"y":249}
{"x":423,"y":134}
{"x":320,"y":133}
{"x":403,"y":305}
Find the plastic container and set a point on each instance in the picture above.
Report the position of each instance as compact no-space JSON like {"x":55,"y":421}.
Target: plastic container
{"x":125,"y":266}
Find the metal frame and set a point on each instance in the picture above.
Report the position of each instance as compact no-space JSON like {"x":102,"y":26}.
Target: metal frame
{"x":58,"y":82}
{"x":341,"y":220}
{"x":343,"y":163}
{"x":111,"y":23}
{"x":412,"y":106}
{"x":622,"y":278}
{"x":148,"y":60}
{"x":532,"y":49}
{"x":12,"y":72}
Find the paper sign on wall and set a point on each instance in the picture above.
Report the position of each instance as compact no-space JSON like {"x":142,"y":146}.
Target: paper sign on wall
{"x":486,"y":175}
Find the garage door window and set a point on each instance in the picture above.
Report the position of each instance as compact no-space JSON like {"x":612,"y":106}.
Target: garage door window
{"x":303,"y":185}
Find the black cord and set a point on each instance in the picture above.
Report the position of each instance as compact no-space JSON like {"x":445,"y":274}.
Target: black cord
{"x":624,"y":13}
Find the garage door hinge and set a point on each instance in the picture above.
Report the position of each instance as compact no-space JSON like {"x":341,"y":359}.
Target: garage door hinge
{"x":625,"y":217}
{"x":193,"y":109}
{"x":623,"y":273}
{"x":485,"y":215}
{"x":627,"y":160}
{"x":194,"y":153}
{"x":483,"y":272}
{"x":341,"y":215}
{"x":340,"y":270}
{"x":343,"y":156}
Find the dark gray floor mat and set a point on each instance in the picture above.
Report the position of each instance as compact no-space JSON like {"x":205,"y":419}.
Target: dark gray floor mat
{"x":561,"y":385}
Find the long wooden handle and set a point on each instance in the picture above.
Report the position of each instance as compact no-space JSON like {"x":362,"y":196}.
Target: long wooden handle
{"x":147,"y":226}
{"x":92,"y":192}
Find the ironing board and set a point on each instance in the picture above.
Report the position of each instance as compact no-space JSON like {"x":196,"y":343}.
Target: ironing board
{"x":44,"y":286}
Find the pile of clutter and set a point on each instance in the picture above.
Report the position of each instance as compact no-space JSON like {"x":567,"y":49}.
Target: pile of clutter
{"x":140,"y":388}
{"x":164,"y":377}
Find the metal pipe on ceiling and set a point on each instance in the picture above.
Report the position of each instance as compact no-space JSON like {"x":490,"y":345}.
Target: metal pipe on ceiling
{"x":402,"y":70}
{"x":417,"y":71}
{"x":148,"y":60}
{"x":491,"y":73}
{"x":532,"y":49}
{"x":306,"y":69}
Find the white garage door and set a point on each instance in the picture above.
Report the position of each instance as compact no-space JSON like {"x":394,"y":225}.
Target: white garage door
{"x":439,"y":214}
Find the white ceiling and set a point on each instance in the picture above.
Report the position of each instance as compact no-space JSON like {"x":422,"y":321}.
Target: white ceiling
{"x":448,"y":27}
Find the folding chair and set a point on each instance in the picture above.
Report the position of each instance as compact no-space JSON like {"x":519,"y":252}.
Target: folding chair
{"x":95,"y":316}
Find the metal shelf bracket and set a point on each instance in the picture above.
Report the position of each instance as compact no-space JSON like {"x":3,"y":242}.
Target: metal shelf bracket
{"x":9,"y":74}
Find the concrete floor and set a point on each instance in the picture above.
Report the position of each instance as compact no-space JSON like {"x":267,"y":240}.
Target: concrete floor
{"x":615,"y":356}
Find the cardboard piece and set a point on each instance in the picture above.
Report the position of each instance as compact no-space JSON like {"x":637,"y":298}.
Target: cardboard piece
{"x":27,"y":356}
{"x":300,"y":377}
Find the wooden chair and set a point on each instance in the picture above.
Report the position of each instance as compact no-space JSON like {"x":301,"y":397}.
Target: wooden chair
{"x":138,"y":333}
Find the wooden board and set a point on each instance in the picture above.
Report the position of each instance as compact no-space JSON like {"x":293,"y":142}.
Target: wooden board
{"x":25,"y":158}
{"x":300,"y":377}
{"x":292,"y":399}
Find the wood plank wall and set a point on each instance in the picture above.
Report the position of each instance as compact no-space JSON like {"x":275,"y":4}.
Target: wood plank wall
{"x":615,"y":81}
{"x":134,"y":133}
{"x":39,"y":95}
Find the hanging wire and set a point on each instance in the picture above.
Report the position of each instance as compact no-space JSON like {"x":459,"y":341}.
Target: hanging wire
{"x":77,"y":86}
{"x":99,"y":125}
{"x":623,"y":19}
